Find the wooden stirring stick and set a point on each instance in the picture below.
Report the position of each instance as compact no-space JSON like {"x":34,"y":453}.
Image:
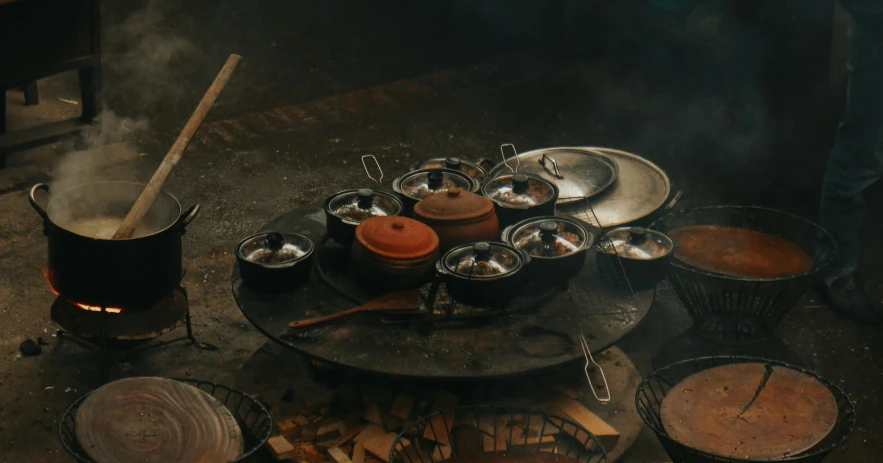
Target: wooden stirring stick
{"x":142,"y":205}
{"x":402,"y":301}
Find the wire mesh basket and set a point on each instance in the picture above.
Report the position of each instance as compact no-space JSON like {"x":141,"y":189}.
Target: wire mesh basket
{"x":742,"y":309}
{"x":653,"y":390}
{"x":471,"y":431}
{"x":253,"y":419}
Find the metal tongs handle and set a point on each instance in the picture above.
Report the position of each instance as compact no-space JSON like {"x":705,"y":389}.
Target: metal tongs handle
{"x":506,"y":160}
{"x":379,"y":180}
{"x":589,"y":362}
{"x":556,"y":172}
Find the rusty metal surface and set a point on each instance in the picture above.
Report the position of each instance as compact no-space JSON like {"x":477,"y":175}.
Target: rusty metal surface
{"x":497,"y":347}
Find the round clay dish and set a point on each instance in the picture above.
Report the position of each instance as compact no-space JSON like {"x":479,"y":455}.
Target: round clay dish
{"x":397,"y":238}
{"x":749,"y":411}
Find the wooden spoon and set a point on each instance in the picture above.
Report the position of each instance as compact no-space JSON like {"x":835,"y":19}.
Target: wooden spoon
{"x":142,"y":205}
{"x":402,"y":301}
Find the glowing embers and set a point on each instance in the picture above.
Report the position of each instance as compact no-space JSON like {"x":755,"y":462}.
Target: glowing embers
{"x":91,"y":308}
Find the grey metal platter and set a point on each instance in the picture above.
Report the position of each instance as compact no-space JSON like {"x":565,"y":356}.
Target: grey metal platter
{"x":640,"y":189}
{"x":497,"y":347}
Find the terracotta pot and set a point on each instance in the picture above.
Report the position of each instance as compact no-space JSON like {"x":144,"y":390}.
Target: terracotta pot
{"x":393,"y":254}
{"x":458,"y":217}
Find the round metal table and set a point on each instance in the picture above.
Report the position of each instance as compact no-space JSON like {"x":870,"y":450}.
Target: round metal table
{"x":466,"y":350}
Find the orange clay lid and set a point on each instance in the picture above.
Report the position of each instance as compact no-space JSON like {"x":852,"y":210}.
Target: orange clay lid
{"x":397,"y":237}
{"x":454,"y":205}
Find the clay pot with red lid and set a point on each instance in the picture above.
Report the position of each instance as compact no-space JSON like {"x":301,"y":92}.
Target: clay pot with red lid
{"x":458,"y":217}
{"x":393,"y":254}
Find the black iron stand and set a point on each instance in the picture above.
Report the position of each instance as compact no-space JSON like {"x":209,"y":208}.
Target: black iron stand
{"x":113,"y":355}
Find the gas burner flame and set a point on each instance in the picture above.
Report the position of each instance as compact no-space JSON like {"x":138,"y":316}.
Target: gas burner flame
{"x":90,"y":308}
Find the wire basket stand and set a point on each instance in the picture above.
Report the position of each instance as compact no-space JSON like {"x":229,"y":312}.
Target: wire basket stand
{"x":252,"y":417}
{"x":480,"y":429}
{"x":733,"y":309}
{"x":653,"y":390}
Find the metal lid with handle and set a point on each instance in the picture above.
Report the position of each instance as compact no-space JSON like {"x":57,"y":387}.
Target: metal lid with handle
{"x":482,"y":260}
{"x":422,"y":183}
{"x":520,"y":191}
{"x":548,"y":237}
{"x":275,"y":249}
{"x":471,"y":169}
{"x":636,"y":243}
{"x":355,"y":206}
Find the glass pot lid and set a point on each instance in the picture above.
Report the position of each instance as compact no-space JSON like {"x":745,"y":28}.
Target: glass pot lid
{"x":520,"y":191}
{"x":274,"y":248}
{"x":355,"y":206}
{"x":469,"y":168}
{"x":482,"y":260}
{"x":636,"y":243}
{"x":422,"y":183}
{"x":550,"y":237}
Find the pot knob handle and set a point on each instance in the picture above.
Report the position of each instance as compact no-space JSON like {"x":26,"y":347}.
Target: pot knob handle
{"x":452,"y":163}
{"x":366,"y":198}
{"x":275,"y":241}
{"x":548,"y":230}
{"x":482,"y":251}
{"x":637,"y":234}
{"x":436,"y":179}
{"x":519,"y":183}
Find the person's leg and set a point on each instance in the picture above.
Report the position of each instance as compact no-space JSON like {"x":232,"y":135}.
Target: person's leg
{"x":855,"y":163}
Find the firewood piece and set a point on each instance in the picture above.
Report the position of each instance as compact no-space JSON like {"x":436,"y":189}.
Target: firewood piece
{"x":359,"y":453}
{"x":338,"y":455}
{"x":494,"y":445}
{"x":381,"y":445}
{"x":441,"y":452}
{"x":181,"y":422}
{"x":332,"y":428}
{"x":440,"y":425}
{"x":349,"y":435}
{"x":286,"y":426}
{"x":373,"y":415}
{"x":300,"y":420}
{"x":307,"y":452}
{"x":752,"y":410}
{"x":607,"y":436}
{"x":401,"y":406}
{"x":280,"y":448}
{"x":392,"y":423}
{"x":371,"y":431}
{"x":467,"y":440}
{"x":309,"y":432}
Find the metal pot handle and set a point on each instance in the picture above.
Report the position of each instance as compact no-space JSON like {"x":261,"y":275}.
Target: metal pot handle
{"x":187,"y":217}
{"x":506,"y":160}
{"x":556,"y":172}
{"x":33,"y":200}
{"x":671,"y":204}
{"x":378,"y":181}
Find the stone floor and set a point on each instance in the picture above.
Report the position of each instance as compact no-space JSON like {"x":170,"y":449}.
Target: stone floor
{"x":326,"y":82}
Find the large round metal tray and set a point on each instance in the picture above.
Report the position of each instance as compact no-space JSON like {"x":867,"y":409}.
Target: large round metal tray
{"x":501,"y":346}
{"x":640,"y":189}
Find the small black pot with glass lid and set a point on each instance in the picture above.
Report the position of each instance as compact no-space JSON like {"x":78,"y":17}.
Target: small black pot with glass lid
{"x":416,"y":185}
{"x":557,"y":247}
{"x":274,"y":262}
{"x":344,"y":211}
{"x":483,"y":274}
{"x":645,"y":254}
{"x":519,"y":197}
{"x":472,"y":169}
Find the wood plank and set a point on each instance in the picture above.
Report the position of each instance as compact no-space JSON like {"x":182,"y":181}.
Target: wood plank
{"x":373,"y":414}
{"x":580,"y":415}
{"x":372,"y":430}
{"x":401,"y":406}
{"x":338,"y":455}
{"x":280,"y":448}
{"x":359,"y":453}
{"x":380,"y":446}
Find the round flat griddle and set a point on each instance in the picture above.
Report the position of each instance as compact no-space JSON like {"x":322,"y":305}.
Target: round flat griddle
{"x":473,"y":349}
{"x":640,"y":189}
{"x":579,"y":173}
{"x":156,"y":419}
{"x":749,"y":411}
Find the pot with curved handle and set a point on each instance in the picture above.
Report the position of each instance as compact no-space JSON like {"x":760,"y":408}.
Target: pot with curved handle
{"x":86,"y":266}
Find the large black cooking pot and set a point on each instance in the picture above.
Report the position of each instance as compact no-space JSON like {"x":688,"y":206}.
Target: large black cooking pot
{"x":131,"y":273}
